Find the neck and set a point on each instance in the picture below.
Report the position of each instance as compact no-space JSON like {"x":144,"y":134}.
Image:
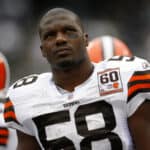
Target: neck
{"x":69,"y":79}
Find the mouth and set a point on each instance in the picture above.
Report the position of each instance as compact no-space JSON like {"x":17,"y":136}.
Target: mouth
{"x":63,"y":51}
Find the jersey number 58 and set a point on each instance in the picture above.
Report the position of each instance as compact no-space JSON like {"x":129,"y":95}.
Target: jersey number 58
{"x":81,"y":125}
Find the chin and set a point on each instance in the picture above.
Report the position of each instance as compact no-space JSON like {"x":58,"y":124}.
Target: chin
{"x":65,"y":65}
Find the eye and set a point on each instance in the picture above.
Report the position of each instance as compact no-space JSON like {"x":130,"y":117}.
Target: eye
{"x":50,"y":34}
{"x":70,"y":29}
{"x":71,"y":32}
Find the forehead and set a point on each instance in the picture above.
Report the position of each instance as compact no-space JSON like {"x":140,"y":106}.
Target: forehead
{"x":51,"y":21}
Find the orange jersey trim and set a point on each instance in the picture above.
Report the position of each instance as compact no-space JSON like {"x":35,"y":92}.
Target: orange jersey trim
{"x":9,"y":112}
{"x":8,"y":104}
{"x":4,"y":141}
{"x":140,"y":77}
{"x":4,"y":132}
{"x":136,"y":87}
{"x":139,"y":82}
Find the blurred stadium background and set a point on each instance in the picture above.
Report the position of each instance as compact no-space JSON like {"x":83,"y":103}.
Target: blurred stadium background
{"x":128,"y":20}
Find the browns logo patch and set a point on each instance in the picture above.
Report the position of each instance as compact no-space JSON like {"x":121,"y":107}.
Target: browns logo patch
{"x":109,"y":81}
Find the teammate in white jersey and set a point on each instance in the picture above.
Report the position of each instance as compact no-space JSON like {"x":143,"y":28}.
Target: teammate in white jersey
{"x":8,"y":137}
{"x":106,"y":46}
{"x":80,"y":105}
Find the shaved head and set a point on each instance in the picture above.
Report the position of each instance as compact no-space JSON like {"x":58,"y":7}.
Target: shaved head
{"x":59,"y":12}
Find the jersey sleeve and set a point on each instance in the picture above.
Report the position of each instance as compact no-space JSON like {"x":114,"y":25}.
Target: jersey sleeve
{"x":138,"y":86}
{"x":17,"y":106}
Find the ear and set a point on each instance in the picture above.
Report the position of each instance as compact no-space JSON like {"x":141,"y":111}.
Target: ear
{"x":86,"y":39}
{"x":42,"y":50}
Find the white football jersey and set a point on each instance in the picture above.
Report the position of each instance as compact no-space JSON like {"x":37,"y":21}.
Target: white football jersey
{"x":92,"y":117}
{"x":8,"y":137}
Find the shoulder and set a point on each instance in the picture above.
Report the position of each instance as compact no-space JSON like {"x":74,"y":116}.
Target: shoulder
{"x":28,"y":85}
{"x":29,"y":80}
{"x":131,"y":66}
{"x":23,"y":95}
{"x":126,"y":64}
{"x":134,"y":73}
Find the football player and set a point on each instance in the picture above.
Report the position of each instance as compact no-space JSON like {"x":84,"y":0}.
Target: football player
{"x":80,"y":105}
{"x":8,"y":137}
{"x":106,"y":46}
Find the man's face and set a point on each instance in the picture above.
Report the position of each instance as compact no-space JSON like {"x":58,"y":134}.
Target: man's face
{"x":63,"y":41}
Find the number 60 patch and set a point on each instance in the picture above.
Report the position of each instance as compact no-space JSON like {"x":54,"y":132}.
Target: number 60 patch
{"x":109,"y":81}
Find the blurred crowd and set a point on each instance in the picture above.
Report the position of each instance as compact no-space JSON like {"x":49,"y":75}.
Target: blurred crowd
{"x":127,"y":20}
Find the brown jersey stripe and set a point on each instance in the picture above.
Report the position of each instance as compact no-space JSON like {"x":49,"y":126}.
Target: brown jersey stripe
{"x":139,"y":76}
{"x":130,"y":84}
{"x":9,"y":115}
{"x":4,"y":134}
{"x":137,"y":91}
{"x":136,"y":87}
{"x":9,"y":112}
{"x":9,"y":109}
{"x":139,"y":82}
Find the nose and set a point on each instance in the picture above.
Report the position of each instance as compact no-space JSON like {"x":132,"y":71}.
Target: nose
{"x":61,"y":38}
